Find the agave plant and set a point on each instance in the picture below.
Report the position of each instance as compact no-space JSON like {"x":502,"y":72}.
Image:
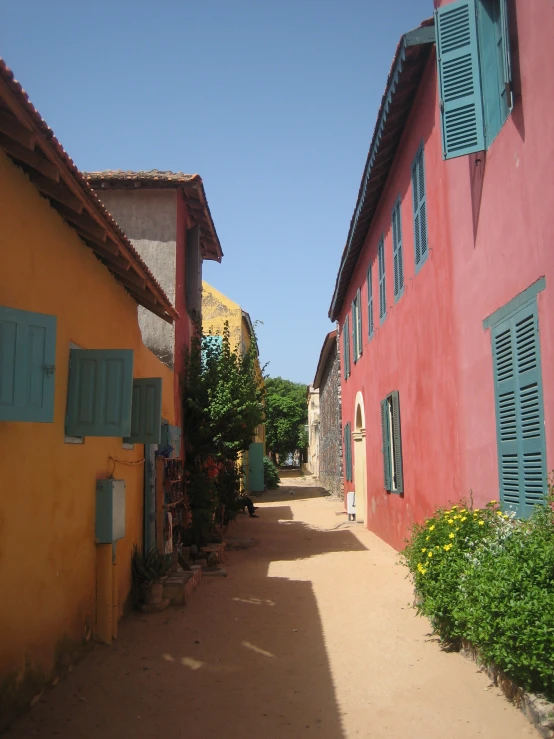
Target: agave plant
{"x":149,"y":566}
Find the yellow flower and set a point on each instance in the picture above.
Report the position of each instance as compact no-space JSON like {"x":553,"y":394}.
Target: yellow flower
{"x":423,"y":570}
{"x":451,"y":536}
{"x":498,"y":513}
{"x":426,"y":538}
{"x":424,"y":550}
{"x":430,"y":554}
{"x":463,"y":510}
{"x":493,"y":502}
{"x":464,"y":518}
{"x":457,"y":528}
{"x":431,"y":527}
{"x":477,"y":510}
{"x":481,"y":523}
{"x":447,"y":547}
{"x":450,"y":521}
{"x":437,"y":547}
{"x":454,"y":507}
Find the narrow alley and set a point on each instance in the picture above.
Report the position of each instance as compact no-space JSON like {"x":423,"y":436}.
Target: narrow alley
{"x":311,"y":633}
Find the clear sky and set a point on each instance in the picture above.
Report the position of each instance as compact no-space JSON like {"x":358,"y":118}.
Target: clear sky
{"x":272,"y":102}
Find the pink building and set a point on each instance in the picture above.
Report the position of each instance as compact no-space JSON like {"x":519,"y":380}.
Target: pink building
{"x":442,"y":299}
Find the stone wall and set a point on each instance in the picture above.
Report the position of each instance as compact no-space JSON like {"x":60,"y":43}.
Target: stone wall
{"x":330,"y":428}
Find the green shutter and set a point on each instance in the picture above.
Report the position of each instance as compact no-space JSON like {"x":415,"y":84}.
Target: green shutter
{"x":347,"y":453}
{"x":146,"y":414}
{"x":519,"y":412}
{"x":397,"y":442}
{"x":386,"y":444}
{"x":346,"y":348}
{"x":382,"y":280}
{"x":398,"y":261}
{"x":459,"y":79}
{"x":420,"y":210}
{"x":506,"y":56}
{"x":100,"y":392}
{"x":354,"y":330}
{"x":359,"y":321}
{"x":27,"y":366}
{"x":370,"y":301}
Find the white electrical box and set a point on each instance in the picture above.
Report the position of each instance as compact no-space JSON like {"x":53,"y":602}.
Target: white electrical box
{"x":110,"y":511}
{"x":351,"y":505}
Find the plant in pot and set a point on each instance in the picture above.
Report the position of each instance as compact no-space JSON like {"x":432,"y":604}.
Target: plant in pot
{"x":149,"y":569}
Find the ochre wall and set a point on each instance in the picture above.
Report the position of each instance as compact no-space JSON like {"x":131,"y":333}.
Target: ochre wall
{"x":47,"y":487}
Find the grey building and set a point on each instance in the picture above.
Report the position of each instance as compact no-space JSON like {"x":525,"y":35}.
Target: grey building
{"x":327,"y":381}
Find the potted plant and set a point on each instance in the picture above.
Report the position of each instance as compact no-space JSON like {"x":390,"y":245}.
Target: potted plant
{"x":149,"y":569}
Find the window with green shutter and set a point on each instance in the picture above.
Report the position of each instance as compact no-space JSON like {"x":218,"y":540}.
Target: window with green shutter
{"x":420,"y":209}
{"x":397,"y":257}
{"x":519,"y":411}
{"x":346,"y":347}
{"x":348,"y":452}
{"x":355,"y":329}
{"x":146,"y":412}
{"x":474,"y":70}
{"x":27,"y":366}
{"x":391,"y":435}
{"x":382,"y":280}
{"x":370,"y":325}
{"x":100,"y":391}
{"x":357,"y":338}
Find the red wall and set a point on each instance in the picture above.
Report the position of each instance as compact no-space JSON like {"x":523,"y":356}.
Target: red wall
{"x":491,"y":235}
{"x":502,"y":213}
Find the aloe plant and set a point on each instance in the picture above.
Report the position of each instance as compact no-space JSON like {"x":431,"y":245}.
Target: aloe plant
{"x":149,"y":566}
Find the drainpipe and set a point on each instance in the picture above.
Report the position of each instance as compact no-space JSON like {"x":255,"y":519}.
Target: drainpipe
{"x":115,"y":591}
{"x":104,"y":590}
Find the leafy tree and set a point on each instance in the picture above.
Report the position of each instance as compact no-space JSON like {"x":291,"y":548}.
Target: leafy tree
{"x":223,"y":405}
{"x":286,"y":415}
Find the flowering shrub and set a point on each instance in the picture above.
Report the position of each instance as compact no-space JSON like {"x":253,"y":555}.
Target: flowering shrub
{"x":484,"y":576}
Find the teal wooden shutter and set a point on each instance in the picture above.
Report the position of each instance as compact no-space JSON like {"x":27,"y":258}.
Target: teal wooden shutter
{"x":100,"y":392}
{"x":386,"y":444}
{"x":346,"y":347}
{"x":359,"y":321}
{"x":27,"y":366}
{"x":519,"y":412}
{"x":146,"y":413}
{"x":420,"y":208}
{"x":461,"y":105}
{"x":348,"y":452}
{"x":382,"y":281}
{"x":370,"y":301}
{"x":398,"y":261}
{"x":506,"y":55}
{"x":397,"y":443}
{"x":355,"y":330}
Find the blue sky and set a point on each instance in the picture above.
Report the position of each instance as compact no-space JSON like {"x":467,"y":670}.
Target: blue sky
{"x":272,"y":102}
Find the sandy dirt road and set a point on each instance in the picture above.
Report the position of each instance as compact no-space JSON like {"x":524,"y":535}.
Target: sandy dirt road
{"x":311,"y":634}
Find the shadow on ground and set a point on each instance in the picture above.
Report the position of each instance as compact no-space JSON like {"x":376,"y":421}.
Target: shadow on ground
{"x":245,"y":658}
{"x":299,"y":492}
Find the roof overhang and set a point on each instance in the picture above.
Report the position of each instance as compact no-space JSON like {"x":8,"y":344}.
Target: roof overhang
{"x":190,"y":186}
{"x":30,"y":143}
{"x":329,"y":344}
{"x":403,"y":81}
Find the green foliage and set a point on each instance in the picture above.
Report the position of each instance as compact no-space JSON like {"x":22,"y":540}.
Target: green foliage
{"x":149,"y":566}
{"x":271,"y":475}
{"x":484,"y":576}
{"x":223,"y":404}
{"x":287,"y":414}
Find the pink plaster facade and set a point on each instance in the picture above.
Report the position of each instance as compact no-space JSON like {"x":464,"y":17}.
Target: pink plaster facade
{"x":491,"y":235}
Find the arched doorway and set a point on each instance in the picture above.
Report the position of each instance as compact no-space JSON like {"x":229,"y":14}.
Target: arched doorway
{"x":360,"y":478}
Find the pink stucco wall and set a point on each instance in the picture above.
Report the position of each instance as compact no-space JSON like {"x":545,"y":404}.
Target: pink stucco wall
{"x":491,"y":235}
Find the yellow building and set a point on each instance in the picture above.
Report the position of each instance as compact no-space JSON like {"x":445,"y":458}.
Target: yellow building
{"x":218,"y":309}
{"x":70,"y":282}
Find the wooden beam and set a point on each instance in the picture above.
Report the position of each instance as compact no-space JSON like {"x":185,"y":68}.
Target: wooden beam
{"x":57,"y":191}
{"x":13,"y":128}
{"x":83,"y":222}
{"x":128,"y":275}
{"x":22,"y":154}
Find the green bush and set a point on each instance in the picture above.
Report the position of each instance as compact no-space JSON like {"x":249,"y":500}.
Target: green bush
{"x":271,"y":475}
{"x":484,"y":576}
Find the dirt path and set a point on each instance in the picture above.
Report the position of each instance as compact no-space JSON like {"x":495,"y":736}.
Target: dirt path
{"x":310,"y":634}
